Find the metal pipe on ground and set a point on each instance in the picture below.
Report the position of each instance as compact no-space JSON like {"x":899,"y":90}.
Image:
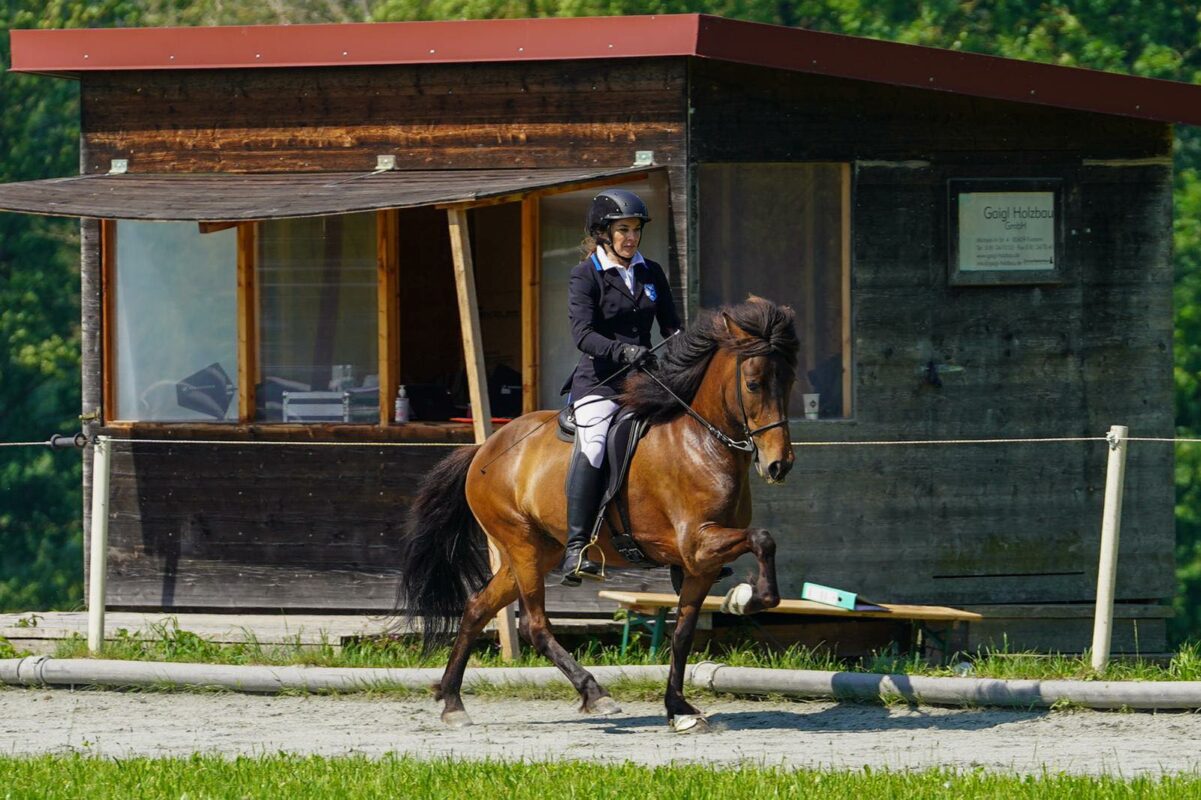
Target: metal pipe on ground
{"x":47,"y":671}
{"x":948,"y":691}
{"x":1163,"y":695}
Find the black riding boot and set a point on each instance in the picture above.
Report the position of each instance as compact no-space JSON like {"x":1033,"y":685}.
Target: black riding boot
{"x":585,"y":485}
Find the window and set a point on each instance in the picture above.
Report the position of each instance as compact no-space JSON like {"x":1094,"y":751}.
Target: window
{"x":562,"y":228}
{"x":175,"y":323}
{"x":781,"y":231}
{"x":317,"y":321}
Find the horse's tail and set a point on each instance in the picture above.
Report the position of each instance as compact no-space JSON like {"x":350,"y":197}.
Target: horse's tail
{"x":443,"y":554}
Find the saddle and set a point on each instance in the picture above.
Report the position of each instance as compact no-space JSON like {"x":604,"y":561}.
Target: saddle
{"x":625,"y":432}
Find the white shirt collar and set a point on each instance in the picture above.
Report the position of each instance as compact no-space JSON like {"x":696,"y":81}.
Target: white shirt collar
{"x":608,"y":263}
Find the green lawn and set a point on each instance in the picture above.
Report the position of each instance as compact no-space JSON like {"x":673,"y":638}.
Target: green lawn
{"x":296,"y":778}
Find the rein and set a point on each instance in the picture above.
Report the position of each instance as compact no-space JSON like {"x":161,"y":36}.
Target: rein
{"x":627,"y":367}
{"x":746,"y":445}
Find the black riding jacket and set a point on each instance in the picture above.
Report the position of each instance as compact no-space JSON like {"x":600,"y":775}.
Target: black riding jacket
{"x":606,"y":315}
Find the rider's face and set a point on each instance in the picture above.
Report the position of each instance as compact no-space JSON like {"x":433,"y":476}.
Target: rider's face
{"x":625,"y":235}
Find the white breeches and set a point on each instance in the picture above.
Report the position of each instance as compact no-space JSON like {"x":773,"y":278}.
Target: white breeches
{"x":592,"y":417}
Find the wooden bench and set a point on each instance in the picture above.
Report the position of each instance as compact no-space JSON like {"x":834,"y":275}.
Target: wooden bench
{"x":943,"y":629}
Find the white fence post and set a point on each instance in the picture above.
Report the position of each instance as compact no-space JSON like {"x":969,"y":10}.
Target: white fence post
{"x":102,"y":449}
{"x":1111,"y":526}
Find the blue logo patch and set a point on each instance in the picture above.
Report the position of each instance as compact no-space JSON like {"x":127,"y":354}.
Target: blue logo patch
{"x":650,"y":292}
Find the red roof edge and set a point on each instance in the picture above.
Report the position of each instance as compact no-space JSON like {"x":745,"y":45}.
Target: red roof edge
{"x":947,"y":70}
{"x":74,"y":51}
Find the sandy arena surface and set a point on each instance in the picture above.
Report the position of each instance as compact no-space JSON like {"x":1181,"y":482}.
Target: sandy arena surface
{"x":803,"y":734}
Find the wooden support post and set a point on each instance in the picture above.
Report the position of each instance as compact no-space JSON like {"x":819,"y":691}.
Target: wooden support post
{"x":1111,"y":526}
{"x":847,"y":338}
{"x":809,"y":269}
{"x":531,"y":279}
{"x":387,"y":270}
{"x":477,"y":384}
{"x":108,"y":320}
{"x":248,"y":320}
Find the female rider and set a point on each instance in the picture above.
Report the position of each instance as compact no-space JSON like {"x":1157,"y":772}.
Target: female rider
{"x":614,"y":297}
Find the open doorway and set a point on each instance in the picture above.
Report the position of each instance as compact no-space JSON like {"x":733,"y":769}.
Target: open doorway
{"x":431,"y":345}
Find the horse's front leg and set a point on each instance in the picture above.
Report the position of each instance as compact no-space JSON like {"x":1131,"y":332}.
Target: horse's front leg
{"x":682,"y":715}
{"x":715,"y":546}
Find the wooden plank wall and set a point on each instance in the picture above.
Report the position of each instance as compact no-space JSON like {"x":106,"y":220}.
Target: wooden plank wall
{"x":452,"y":116}
{"x":298,"y":528}
{"x":987,"y":523}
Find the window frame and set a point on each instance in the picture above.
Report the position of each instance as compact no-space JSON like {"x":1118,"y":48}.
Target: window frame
{"x":388,"y":273}
{"x":846,"y":177}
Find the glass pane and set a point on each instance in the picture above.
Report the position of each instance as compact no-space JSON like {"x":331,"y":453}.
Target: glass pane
{"x":776,"y":230}
{"x":562,"y":224}
{"x":176,"y":323}
{"x":317,"y":320}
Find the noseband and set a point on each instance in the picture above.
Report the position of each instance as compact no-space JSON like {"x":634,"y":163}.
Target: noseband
{"x":745,"y":445}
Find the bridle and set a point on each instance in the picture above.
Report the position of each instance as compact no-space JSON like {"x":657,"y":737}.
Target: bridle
{"x":744,"y":445}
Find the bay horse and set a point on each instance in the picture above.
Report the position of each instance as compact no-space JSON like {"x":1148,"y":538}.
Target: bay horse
{"x":688,"y":493}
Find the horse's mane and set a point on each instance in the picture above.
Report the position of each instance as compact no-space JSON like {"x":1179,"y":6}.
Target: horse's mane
{"x":684,"y":359}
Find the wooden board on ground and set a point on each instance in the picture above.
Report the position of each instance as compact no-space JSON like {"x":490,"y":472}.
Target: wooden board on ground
{"x":647,"y":602}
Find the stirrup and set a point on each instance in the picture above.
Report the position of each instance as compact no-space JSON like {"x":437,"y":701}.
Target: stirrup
{"x":576,"y":575}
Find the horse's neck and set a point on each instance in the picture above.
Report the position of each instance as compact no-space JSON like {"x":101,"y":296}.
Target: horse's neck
{"x":710,"y":398}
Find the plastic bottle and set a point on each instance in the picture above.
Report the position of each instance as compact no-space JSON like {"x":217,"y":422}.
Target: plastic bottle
{"x":403,"y":411}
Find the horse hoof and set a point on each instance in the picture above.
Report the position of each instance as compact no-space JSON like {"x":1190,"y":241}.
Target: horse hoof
{"x":456,"y":719}
{"x":604,"y":707}
{"x":689,"y":723}
{"x":737,"y":599}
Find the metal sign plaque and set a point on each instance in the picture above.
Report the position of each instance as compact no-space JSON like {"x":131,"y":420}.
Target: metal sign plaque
{"x":1011,"y":231}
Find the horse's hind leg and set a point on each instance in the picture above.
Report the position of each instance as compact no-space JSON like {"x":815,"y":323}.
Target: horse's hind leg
{"x":531,"y":573}
{"x":482,"y":607}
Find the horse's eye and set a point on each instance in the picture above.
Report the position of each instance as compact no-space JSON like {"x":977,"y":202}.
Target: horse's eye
{"x":752,"y":386}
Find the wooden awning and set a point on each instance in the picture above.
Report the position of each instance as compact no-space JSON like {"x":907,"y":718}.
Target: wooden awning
{"x":240,"y":197}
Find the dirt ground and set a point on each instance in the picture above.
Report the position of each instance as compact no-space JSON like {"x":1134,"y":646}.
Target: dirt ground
{"x":802,"y":734}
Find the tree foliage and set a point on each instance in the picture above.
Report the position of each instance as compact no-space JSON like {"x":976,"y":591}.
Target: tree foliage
{"x":39,"y":345}
{"x":40,"y":552}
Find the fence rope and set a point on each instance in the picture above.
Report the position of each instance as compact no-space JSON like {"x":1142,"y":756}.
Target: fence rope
{"x":255,"y":442}
{"x":864,"y":443}
{"x":953,"y":441}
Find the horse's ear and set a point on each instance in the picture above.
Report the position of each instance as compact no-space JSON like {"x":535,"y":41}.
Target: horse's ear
{"x":732,"y":327}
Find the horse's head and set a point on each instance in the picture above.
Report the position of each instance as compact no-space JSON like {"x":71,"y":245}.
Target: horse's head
{"x":762,"y":338}
{"x":734,"y":367}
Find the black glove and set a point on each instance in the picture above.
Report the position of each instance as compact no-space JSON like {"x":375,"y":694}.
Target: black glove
{"x":632,"y":354}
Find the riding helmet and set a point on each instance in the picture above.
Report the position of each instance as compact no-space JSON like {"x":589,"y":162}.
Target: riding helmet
{"x":614,"y":204}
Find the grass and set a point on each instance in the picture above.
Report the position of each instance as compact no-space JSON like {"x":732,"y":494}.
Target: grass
{"x":166,"y":641}
{"x":7,"y":650}
{"x":300,"y":777}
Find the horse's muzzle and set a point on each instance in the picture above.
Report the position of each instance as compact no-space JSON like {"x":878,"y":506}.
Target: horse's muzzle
{"x":777,"y":470}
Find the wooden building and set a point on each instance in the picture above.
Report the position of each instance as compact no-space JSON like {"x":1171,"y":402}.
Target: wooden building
{"x":976,"y":248}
